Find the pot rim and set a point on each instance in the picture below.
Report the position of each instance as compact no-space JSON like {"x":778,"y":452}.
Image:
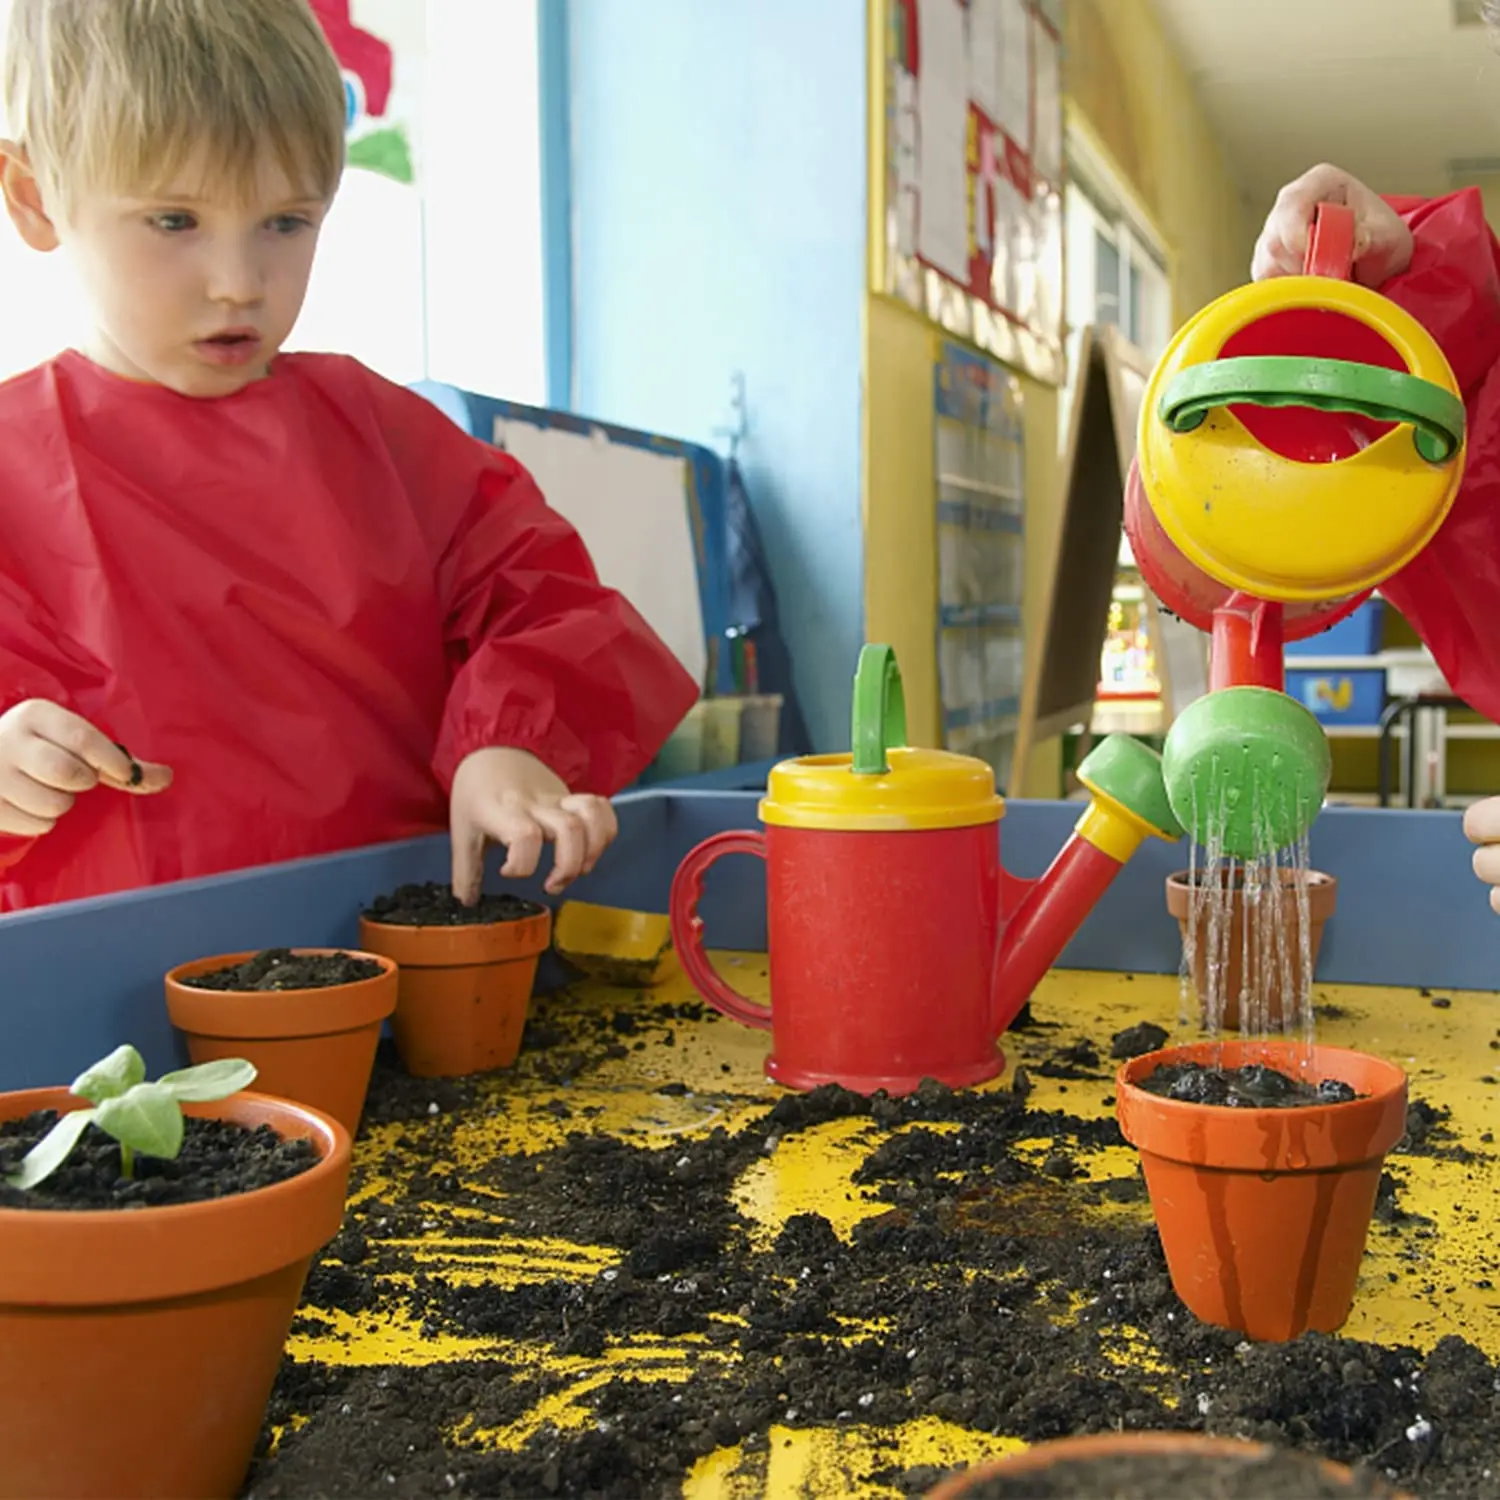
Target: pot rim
{"x":459,"y":945}
{"x":196,"y":967}
{"x":60,"y":1241}
{"x":1041,"y":1456}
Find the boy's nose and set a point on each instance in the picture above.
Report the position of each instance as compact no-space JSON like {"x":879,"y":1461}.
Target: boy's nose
{"x":237,"y":277}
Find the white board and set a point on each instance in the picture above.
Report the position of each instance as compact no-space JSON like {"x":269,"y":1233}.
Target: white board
{"x":630,"y":506}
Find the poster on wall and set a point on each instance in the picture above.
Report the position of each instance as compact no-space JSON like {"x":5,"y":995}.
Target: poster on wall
{"x":379,"y":45}
{"x":980,"y":467}
{"x":973,"y":225}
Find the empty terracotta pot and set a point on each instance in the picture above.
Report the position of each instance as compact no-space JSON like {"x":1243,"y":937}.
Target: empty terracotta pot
{"x":1153,"y":1466}
{"x":463,"y":991}
{"x":1263,"y":1213}
{"x":316,"y":1046}
{"x":1264,"y":970}
{"x":138,"y":1347}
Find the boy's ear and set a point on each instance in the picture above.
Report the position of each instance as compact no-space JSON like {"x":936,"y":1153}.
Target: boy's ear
{"x":23,"y":198}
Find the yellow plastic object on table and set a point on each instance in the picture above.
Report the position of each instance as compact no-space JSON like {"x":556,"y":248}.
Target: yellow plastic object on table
{"x":615,"y":944}
{"x":1284,"y":528}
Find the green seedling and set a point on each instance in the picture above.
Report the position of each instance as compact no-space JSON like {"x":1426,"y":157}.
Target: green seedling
{"x":145,"y":1118}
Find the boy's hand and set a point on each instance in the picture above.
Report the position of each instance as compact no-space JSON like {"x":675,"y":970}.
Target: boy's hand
{"x":1482,"y":826}
{"x":509,"y":797}
{"x":49,"y":755}
{"x":1382,"y":241}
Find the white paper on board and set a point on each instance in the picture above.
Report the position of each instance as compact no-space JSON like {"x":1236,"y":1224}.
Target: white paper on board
{"x":943,"y":97}
{"x":630,"y":506}
{"x":1047,"y":150}
{"x":1014,"y":116}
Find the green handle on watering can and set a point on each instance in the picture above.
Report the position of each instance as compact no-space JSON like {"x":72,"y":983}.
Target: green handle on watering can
{"x":879,"y":710}
{"x":1325,"y":384}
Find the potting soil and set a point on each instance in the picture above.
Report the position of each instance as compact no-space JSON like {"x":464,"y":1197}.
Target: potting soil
{"x":1254,"y":1086}
{"x":433,"y":904}
{"x":282,"y":969}
{"x":217,"y":1159}
{"x":629,"y":1268}
{"x":1277,"y":1476}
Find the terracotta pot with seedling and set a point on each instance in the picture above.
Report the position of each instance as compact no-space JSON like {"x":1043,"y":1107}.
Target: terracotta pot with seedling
{"x":308,"y":1019}
{"x":466,"y":974}
{"x":154,"y":1238}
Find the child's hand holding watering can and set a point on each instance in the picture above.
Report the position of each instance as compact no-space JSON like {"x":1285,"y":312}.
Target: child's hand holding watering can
{"x":1382,"y":241}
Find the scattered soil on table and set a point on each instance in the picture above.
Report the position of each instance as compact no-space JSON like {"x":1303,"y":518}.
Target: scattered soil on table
{"x":435,"y":905}
{"x":1278,"y":1476}
{"x":217,"y":1159}
{"x":1254,"y":1086}
{"x":1006,"y":1279}
{"x":284,"y":969}
{"x":1137,"y":1040}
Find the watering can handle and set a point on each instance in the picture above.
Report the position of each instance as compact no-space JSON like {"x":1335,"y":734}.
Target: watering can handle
{"x":879,"y":710}
{"x":1324,"y":384}
{"x":1330,"y":242}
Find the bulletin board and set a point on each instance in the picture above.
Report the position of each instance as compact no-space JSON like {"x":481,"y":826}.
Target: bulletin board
{"x":969,"y":216}
{"x":980,"y":468}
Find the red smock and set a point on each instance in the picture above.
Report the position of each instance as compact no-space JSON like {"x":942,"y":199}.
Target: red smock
{"x":312,"y":599}
{"x":1450,"y":593}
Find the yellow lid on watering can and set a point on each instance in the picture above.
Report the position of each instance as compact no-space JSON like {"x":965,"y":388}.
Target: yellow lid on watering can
{"x":882,"y":785}
{"x":1285,"y":528}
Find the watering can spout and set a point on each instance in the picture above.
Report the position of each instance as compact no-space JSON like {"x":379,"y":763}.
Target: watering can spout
{"x":1128,"y":804}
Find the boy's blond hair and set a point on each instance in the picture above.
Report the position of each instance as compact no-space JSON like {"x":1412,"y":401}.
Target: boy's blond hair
{"x":120,"y":95}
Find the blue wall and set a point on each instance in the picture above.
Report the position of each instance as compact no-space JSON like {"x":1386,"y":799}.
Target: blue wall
{"x":718,"y":224}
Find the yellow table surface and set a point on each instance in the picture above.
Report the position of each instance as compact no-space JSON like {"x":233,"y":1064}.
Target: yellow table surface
{"x":1449,"y":1053}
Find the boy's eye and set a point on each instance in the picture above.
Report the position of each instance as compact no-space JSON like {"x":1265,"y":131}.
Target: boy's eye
{"x":290,"y":223}
{"x":173,"y":223}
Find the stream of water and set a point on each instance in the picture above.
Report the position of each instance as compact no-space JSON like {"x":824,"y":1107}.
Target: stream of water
{"x":1259,"y":967}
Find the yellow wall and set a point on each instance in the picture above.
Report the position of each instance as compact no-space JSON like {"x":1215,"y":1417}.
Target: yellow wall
{"x":1137,"y":102}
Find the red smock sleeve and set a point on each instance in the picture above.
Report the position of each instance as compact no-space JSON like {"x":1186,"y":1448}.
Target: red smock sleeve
{"x":546,"y":658}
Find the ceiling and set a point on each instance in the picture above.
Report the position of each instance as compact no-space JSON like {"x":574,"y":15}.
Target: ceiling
{"x":1396,"y":91}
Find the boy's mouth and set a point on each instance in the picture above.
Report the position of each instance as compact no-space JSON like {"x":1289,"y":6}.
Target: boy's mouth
{"x":234,"y":346}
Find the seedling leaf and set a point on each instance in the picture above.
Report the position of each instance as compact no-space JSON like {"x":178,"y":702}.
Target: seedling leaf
{"x":147,"y":1119}
{"x":208,"y":1081}
{"x":111,"y":1076}
{"x":51,"y":1151}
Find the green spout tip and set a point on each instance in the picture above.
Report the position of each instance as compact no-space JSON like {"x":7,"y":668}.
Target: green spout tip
{"x":1246,"y":770}
{"x":1130,"y":773}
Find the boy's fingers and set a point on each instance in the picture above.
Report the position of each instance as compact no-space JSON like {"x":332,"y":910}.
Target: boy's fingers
{"x":1482,"y":821}
{"x":17,"y":823}
{"x":468,"y":862}
{"x":34,"y":798}
{"x":154,"y":778}
{"x":504,"y":823}
{"x":600,"y":825}
{"x":570,"y":844}
{"x":1487,"y":863}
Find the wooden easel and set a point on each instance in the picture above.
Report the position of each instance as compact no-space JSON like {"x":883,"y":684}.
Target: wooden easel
{"x":1062,"y":676}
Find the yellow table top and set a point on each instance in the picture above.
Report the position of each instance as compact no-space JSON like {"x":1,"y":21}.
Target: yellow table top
{"x":1430,"y":1274}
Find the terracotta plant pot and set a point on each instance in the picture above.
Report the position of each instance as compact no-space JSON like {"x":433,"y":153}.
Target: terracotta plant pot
{"x":138,"y":1346}
{"x":1266,"y":978}
{"x":1182,"y":1463}
{"x":463,"y":990}
{"x":315,"y":1046}
{"x":1263,"y":1213}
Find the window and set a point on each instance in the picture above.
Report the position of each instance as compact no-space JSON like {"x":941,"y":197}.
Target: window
{"x":441,"y":279}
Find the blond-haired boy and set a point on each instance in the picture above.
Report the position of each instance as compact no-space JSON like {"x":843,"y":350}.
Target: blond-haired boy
{"x":297,"y":585}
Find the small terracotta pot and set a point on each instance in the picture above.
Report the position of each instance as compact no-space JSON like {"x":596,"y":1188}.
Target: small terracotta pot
{"x":1037,"y":1460}
{"x":463,"y":990}
{"x":138,"y":1346}
{"x":315,"y":1046}
{"x":1322,"y":898}
{"x":1263,"y":1213}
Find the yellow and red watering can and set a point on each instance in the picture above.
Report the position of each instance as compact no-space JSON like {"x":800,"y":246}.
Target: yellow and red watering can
{"x":1300,"y":441}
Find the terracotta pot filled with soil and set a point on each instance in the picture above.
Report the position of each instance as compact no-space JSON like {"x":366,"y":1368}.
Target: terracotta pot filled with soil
{"x":308,"y":1019}
{"x":1162,"y":1466}
{"x":142,"y":1318}
{"x":1268,"y":970}
{"x":1262,"y":1161}
{"x":466,"y":974}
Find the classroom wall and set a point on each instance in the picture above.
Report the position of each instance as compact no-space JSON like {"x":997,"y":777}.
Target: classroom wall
{"x":718,"y":221}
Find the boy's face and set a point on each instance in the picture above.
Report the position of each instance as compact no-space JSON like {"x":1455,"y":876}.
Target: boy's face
{"x":194,"y":288}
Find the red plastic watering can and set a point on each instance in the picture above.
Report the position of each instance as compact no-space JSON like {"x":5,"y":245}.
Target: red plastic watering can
{"x":899,"y":948}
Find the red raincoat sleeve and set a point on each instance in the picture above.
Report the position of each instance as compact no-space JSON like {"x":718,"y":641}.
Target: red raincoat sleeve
{"x":547,"y":658}
{"x":1450,"y":593}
